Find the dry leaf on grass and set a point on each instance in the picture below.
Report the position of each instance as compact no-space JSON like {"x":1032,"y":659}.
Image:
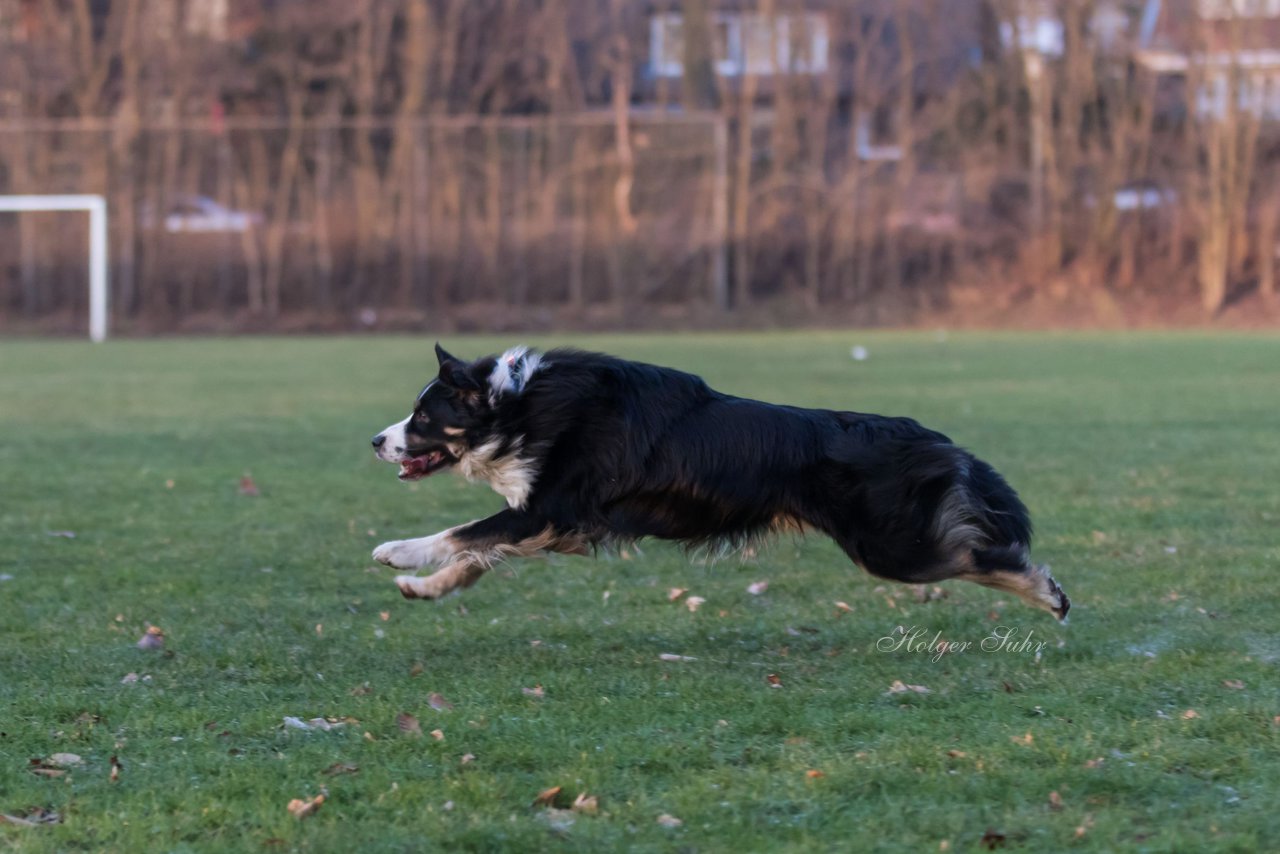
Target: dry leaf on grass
{"x":417,"y":669}
{"x":900,"y":687}
{"x":814,"y":774}
{"x":439,"y":703}
{"x":41,"y":768}
{"x":1233,"y":683}
{"x":547,"y":797}
{"x":1027,"y":739}
{"x":589,"y":804}
{"x":957,"y":754}
{"x":757,"y":588}
{"x":299,"y":808}
{"x":1190,"y":714}
{"x":676,"y":592}
{"x":340,"y":768}
{"x":924,"y":593}
{"x":774,"y":680}
{"x":35,"y":817}
{"x":408,"y":724}
{"x":153,"y":639}
{"x":361,"y":690}
{"x":116,"y":768}
{"x":321,"y":724}
{"x":64,"y":760}
{"x":693,"y":603}
{"x":248,"y":487}
{"x":843,"y":608}
{"x":671,"y":656}
{"x":1055,"y":802}
{"x":557,"y":819}
{"x":15,"y":821}
{"x":437,"y":734}
{"x":992,"y":839}
{"x":535,"y":691}
{"x":669,"y":821}
{"x":467,"y":759}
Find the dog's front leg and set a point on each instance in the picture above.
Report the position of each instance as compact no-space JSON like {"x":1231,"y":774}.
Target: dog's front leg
{"x":474,"y":548}
{"x":417,"y":553}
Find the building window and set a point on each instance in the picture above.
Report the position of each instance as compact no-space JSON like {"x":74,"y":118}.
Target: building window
{"x":1226,"y":9}
{"x":1257,"y":94}
{"x":745,"y":43}
{"x":666,"y":45}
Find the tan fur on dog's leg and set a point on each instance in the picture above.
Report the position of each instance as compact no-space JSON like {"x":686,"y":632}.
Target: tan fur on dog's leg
{"x":1035,"y":586}
{"x":459,"y":574}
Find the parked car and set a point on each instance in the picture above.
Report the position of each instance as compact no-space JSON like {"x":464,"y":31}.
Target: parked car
{"x":194,"y":214}
{"x":1144,"y":195}
{"x":1139,"y":196}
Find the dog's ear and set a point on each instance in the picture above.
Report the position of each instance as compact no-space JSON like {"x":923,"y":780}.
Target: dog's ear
{"x":443,"y":355}
{"x":456,"y":375}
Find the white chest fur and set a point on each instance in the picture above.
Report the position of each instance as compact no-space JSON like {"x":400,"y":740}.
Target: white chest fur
{"x":511,"y":476}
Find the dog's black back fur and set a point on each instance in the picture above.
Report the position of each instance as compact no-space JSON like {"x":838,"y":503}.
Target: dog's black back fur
{"x":629,"y":450}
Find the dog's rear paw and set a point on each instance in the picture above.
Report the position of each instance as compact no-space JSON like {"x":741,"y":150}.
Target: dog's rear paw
{"x":1055,"y":598}
{"x":1064,"y":603}
{"x":401,"y":554}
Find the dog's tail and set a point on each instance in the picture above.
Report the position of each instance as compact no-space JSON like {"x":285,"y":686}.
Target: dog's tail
{"x":1003,"y":515}
{"x":980,"y":517}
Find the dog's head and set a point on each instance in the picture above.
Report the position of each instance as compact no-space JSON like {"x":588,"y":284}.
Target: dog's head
{"x":453,"y":413}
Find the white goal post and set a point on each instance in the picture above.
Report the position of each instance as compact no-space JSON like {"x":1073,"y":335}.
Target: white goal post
{"x":97,"y":208}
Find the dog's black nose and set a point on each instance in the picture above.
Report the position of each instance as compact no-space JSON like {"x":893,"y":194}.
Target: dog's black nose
{"x":378,"y":441}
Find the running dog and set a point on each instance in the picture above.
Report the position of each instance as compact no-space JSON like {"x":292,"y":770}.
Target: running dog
{"x":592,"y":450}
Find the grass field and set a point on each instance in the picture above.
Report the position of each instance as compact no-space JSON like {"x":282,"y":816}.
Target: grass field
{"x":1150,"y":462}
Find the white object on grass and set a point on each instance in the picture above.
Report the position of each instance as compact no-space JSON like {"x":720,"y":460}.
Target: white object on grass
{"x":859,"y":353}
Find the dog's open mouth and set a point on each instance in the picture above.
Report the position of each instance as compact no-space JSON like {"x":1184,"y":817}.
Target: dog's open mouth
{"x":424,"y":464}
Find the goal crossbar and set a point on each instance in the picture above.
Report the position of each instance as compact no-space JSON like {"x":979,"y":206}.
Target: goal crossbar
{"x":97,"y":209}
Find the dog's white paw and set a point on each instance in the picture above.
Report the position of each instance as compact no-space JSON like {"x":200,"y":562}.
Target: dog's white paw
{"x":402,"y":554}
{"x":440,"y":583}
{"x":415,"y":587}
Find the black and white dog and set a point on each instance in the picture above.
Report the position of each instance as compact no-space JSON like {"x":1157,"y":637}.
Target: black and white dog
{"x":589,"y":449}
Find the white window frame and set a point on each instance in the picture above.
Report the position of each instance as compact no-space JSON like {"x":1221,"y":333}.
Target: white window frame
{"x":1223,"y":10}
{"x":657,"y":46}
{"x":735,"y":61}
{"x":97,"y":209}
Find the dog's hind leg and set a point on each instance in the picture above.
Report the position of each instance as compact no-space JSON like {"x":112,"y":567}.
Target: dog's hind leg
{"x":1008,"y":569}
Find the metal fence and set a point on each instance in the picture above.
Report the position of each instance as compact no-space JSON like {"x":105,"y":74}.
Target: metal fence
{"x":452,"y":218}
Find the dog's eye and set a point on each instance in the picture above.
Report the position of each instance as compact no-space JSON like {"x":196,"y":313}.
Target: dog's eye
{"x":420,"y":416}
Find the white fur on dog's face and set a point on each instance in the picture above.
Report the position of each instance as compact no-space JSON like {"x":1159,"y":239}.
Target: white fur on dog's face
{"x":393,"y":446}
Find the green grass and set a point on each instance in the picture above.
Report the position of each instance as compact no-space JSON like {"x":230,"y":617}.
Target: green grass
{"x":1150,"y":463}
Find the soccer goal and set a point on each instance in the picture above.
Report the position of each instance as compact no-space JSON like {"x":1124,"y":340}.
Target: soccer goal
{"x":97,"y":208}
